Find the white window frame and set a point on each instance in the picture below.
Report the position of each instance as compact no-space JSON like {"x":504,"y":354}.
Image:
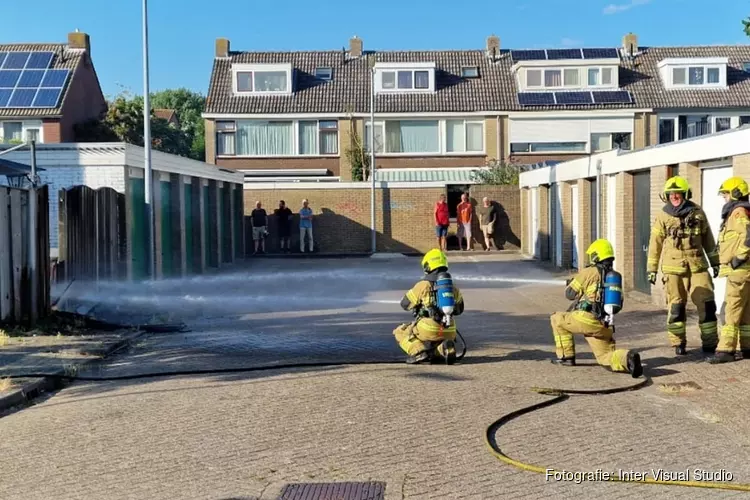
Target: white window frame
{"x":25,"y":127}
{"x":685,"y":68}
{"x":541,"y":78}
{"x":262,"y":68}
{"x":442,"y":137}
{"x":295,"y":139}
{"x":473,"y":69}
{"x":600,"y":77}
{"x":562,"y":78}
{"x":394,"y":68}
{"x":413,"y":87}
{"x":586,"y":147}
{"x":324,"y":73}
{"x":583,"y":77}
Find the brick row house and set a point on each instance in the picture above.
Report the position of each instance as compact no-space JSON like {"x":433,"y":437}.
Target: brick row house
{"x":277,"y":115}
{"x":46,"y":89}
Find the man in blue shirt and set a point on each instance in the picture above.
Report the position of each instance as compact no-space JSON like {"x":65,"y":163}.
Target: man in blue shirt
{"x":305,"y":226}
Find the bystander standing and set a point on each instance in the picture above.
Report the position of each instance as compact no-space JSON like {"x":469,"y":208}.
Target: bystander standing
{"x":442,"y":221}
{"x":487,"y":217}
{"x":283,"y":223}
{"x":464,"y":213}
{"x":305,"y":226}
{"x":259,"y":220}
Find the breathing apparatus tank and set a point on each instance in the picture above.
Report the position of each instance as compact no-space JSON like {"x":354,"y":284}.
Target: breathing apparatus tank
{"x":612,"y":293}
{"x":444,"y":298}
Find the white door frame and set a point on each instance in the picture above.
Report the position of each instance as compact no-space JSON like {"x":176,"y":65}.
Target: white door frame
{"x":575,"y":223}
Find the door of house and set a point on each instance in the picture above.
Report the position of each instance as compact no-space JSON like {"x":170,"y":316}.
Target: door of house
{"x":712,"y":203}
{"x":642,"y":229}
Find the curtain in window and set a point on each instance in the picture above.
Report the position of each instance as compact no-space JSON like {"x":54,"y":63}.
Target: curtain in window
{"x":474,"y":137}
{"x":329,"y":142}
{"x":412,"y":136}
{"x":552,"y":78}
{"x":270,"y":80}
{"x":455,"y":130}
{"x":378,"y":138}
{"x":308,"y":138}
{"x":256,"y":138}
{"x":225,"y":144}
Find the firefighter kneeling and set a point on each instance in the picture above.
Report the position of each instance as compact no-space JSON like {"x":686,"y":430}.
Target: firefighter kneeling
{"x":597,"y":290}
{"x":734,"y":240}
{"x":434,"y":301}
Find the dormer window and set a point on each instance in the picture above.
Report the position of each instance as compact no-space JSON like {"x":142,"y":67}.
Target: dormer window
{"x":470,"y":72}
{"x":572,"y":77}
{"x":691,"y":73}
{"x":405,"y":77}
{"x":324,"y":73}
{"x":259,"y":79}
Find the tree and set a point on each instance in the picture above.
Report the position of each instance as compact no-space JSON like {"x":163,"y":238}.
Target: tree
{"x":358,"y":156}
{"x":746,"y":24}
{"x":124,"y":122}
{"x":499,"y":173}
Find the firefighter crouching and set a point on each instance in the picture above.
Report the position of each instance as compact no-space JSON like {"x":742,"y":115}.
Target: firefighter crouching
{"x":592,"y":314}
{"x":680,"y":236}
{"x":734,"y":243}
{"x":432,"y":334}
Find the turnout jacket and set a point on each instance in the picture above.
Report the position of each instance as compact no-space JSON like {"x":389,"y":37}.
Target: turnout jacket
{"x":421,"y":298}
{"x":734,"y":238}
{"x":680,"y":236}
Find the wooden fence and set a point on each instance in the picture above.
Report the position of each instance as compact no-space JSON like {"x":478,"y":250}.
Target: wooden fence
{"x":92,"y":234}
{"x":15,"y":276}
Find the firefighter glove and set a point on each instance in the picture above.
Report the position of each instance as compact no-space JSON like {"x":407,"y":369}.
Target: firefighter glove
{"x":652,"y":278}
{"x":716,"y":272}
{"x":737,"y":262}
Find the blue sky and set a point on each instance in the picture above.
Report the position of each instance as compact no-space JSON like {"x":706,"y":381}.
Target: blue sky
{"x":182,"y":38}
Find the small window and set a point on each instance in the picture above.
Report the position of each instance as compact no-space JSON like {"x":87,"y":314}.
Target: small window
{"x":606,"y":76}
{"x":421,"y":79}
{"x":533,"y":78}
{"x":405,"y":80}
{"x":324,"y":73}
{"x":244,"y":81}
{"x":553,"y":78}
{"x":678,"y":76}
{"x":712,"y":75}
{"x":744,"y":120}
{"x":470,"y":72}
{"x":746,"y":67}
{"x":593,"y":76}
{"x":722,"y":123}
{"x":695,"y":75}
{"x":389,"y":79}
{"x":571,"y":77}
{"x":622,"y":140}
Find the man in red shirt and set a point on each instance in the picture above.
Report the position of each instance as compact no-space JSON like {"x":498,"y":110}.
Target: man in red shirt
{"x":464,"y":212}
{"x":442,"y":221}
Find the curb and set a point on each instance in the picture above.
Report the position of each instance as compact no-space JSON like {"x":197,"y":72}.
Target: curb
{"x":37,"y":386}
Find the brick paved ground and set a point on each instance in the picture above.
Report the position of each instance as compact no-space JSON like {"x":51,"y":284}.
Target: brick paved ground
{"x":420,"y":428}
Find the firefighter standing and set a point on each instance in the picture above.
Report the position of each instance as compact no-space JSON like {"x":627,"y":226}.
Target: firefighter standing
{"x":680,"y":236}
{"x":427,"y":338}
{"x":588,"y":317}
{"x":734,"y":243}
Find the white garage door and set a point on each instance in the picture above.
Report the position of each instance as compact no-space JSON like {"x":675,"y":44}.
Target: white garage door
{"x":535,"y":222}
{"x":558,"y":227}
{"x":712,"y":204}
{"x":574,"y":201}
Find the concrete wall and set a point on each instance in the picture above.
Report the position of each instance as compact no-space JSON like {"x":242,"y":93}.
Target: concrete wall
{"x":403,"y":217}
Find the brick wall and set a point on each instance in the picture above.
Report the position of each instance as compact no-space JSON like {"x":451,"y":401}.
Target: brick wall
{"x":491,"y":139}
{"x":507,"y":201}
{"x":342,"y":217}
{"x":65,"y":177}
{"x":584,"y":220}
{"x":691,"y":172}
{"x":51,"y":131}
{"x":210,"y":135}
{"x":626,"y":227}
{"x":640,"y":134}
{"x":741,"y":166}
{"x":566,"y":205}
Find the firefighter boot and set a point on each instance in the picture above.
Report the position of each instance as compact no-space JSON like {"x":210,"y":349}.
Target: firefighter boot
{"x":680,"y":349}
{"x":721,"y":357}
{"x":564,"y":361}
{"x":418,"y":358}
{"x":634,"y":364}
{"x":746,"y":354}
{"x":445,"y":353}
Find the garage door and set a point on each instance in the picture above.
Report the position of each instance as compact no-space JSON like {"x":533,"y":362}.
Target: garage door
{"x":642,"y":226}
{"x":712,"y":204}
{"x":534,"y":243}
{"x":558,"y":227}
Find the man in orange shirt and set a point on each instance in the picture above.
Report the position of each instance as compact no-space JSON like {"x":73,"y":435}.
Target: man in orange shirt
{"x":464,"y":215}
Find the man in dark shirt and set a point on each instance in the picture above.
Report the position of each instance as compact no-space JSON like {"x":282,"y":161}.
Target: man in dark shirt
{"x":283,"y":222}
{"x":487,"y":217}
{"x":260,"y":225}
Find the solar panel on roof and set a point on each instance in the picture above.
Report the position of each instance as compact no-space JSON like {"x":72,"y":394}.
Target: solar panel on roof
{"x":55,"y":78}
{"x":555,"y":54}
{"x":536,"y":98}
{"x":528,"y":55}
{"x":15,"y":60}
{"x":39,"y":60}
{"x":47,"y":98}
{"x":9,"y":78}
{"x":31,"y":78}
{"x":573,"y":97}
{"x":22,"y":98}
{"x":600,"y":54}
{"x":2,"y":58}
{"x":5,"y":97}
{"x":612,"y":97}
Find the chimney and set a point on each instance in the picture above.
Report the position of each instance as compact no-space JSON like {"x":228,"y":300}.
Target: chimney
{"x":630,"y":44}
{"x":355,"y":47}
{"x":78,"y":40}
{"x":222,"y":47}
{"x":493,"y":46}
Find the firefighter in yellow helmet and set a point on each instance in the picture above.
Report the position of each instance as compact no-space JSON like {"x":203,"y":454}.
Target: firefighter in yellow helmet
{"x":734,"y":251}
{"x":680,"y":236}
{"x":591,"y":318}
{"x":432,"y":334}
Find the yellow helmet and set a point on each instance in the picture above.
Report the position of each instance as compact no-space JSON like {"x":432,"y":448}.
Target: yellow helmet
{"x":433,"y":260}
{"x":678,"y":184}
{"x":735,"y":186}
{"x":600,"y":250}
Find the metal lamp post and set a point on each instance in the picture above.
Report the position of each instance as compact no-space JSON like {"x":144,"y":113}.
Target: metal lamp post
{"x":148,"y":181}
{"x":373,"y":230}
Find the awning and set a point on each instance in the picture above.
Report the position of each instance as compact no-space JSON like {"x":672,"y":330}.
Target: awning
{"x":459,"y":175}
